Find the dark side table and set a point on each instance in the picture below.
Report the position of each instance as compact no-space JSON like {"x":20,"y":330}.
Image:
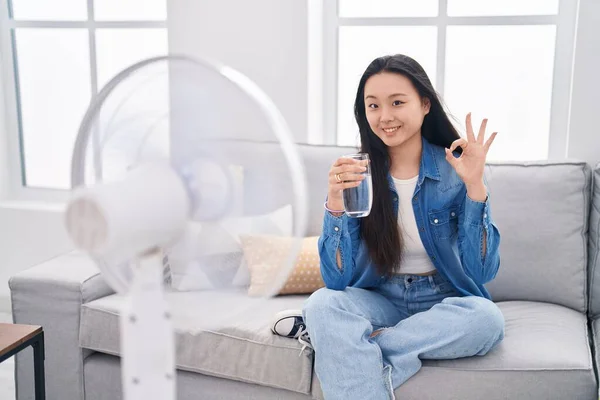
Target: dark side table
{"x":14,"y":338}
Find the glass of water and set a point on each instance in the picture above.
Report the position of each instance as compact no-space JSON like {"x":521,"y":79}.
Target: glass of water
{"x":358,"y":200}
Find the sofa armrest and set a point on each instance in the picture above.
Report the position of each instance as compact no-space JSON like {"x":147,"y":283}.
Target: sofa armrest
{"x":50,"y":294}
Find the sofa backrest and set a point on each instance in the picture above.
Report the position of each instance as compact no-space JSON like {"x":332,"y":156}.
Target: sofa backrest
{"x":541,"y":209}
{"x":594,"y":248}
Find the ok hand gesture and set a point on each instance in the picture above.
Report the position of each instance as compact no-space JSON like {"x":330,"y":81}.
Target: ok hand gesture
{"x":470,"y":165}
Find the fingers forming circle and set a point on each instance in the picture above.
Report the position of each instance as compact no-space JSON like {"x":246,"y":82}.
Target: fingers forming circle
{"x":462,"y":142}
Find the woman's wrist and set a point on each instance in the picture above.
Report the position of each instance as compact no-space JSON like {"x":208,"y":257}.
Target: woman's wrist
{"x":477,"y":192}
{"x":334,"y":206}
{"x":334,"y":211}
{"x":335,"y":201}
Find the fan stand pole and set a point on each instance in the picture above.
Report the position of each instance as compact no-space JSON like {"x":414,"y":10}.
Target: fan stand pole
{"x":147,"y":338}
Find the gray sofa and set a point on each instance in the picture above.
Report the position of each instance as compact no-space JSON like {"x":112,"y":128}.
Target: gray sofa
{"x":547,"y":288}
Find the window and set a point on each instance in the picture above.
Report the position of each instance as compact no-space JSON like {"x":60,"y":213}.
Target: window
{"x":63,"y":52}
{"x":509,"y":61}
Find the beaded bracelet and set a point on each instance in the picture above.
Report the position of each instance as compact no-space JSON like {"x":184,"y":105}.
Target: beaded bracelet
{"x":333,"y":211}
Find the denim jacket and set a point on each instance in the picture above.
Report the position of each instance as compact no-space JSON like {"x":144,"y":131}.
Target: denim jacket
{"x":450,"y":224}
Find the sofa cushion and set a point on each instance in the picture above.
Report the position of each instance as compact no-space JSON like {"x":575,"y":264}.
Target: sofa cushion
{"x":541,"y":210}
{"x":544,"y":343}
{"x":244,"y":349}
{"x":594,"y":247}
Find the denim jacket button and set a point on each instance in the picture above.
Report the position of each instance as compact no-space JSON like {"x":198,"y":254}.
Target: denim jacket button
{"x":435,"y":221}
{"x":336,"y":229}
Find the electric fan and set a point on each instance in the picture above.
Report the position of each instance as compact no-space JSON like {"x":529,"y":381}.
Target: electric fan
{"x":176,"y":159}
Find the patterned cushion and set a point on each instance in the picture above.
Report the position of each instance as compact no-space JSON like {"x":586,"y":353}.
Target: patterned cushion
{"x":266,"y":256}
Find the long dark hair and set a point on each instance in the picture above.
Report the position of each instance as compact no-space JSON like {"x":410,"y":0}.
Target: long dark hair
{"x":380,"y":229}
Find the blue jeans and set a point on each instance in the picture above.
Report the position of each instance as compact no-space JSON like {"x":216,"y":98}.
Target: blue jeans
{"x":419,"y":317}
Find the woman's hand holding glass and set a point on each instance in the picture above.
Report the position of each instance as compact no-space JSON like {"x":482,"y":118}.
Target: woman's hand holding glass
{"x":345,"y":173}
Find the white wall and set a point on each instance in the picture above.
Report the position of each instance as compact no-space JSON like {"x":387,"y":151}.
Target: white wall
{"x":584,"y":132}
{"x":267,"y":40}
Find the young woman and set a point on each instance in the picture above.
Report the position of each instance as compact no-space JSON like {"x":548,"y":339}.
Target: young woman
{"x":406,"y":282}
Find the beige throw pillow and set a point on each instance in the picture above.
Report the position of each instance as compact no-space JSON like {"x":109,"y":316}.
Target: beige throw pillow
{"x":266,"y":255}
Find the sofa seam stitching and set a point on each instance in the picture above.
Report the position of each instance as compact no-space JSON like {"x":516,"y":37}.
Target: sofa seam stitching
{"x":586,"y":215}
{"x":593,"y":262}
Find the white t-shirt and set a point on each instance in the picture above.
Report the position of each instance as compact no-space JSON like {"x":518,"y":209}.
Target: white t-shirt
{"x":416,"y":260}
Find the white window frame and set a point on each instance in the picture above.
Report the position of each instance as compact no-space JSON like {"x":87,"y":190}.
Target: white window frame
{"x":14,"y":188}
{"x":324,"y":24}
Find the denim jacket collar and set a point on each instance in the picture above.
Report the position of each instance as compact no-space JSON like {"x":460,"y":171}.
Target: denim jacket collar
{"x":428,"y":167}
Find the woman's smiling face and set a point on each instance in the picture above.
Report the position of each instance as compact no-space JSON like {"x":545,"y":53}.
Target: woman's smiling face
{"x":393,"y":107}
